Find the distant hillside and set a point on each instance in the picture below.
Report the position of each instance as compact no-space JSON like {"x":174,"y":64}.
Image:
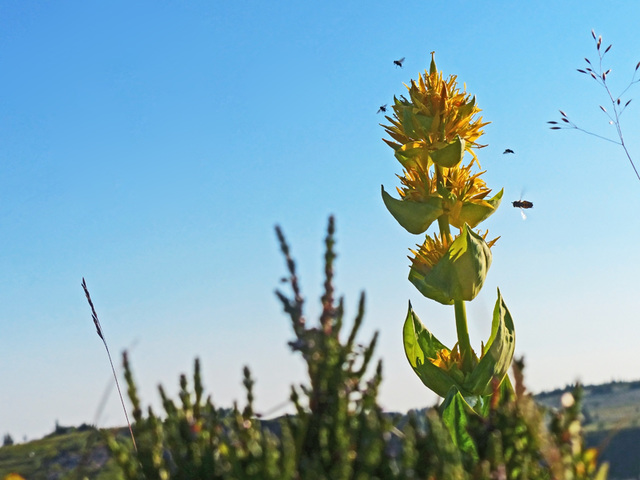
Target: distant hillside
{"x":611,"y":422}
{"x":68,"y":449}
{"x":611,"y":411}
{"x":609,"y":406}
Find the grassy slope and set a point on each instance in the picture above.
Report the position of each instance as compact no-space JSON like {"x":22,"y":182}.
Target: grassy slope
{"x":54,"y":456}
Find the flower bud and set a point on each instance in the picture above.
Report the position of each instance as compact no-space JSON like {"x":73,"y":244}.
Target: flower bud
{"x":458,"y":274}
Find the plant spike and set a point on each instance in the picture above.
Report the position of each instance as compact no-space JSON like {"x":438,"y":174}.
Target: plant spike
{"x":293,"y":308}
{"x":328,"y":308}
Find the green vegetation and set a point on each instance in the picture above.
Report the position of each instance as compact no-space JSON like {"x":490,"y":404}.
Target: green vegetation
{"x":618,"y":443}
{"x":74,"y":453}
{"x":339,"y":431}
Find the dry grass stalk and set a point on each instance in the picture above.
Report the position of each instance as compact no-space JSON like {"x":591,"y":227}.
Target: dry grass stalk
{"x":96,"y":322}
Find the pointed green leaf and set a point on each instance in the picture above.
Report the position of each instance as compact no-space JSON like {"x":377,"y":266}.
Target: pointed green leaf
{"x":415,"y":217}
{"x":411,"y":154}
{"x":460,"y":273}
{"x":450,"y":155}
{"x":455,"y":415}
{"x":400,"y":102}
{"x":419,"y":343}
{"x":498,"y":351}
{"x":409,"y":124}
{"x":393,"y":145}
{"x":466,"y":109}
{"x":419,"y":346}
{"x":473,"y":213}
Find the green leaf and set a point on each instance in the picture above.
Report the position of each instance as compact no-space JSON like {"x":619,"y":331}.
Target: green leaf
{"x":498,"y":351}
{"x":411,"y":154}
{"x":455,"y":415}
{"x":450,"y":155}
{"x":445,"y":193}
{"x":466,"y":109}
{"x":425,"y":123}
{"x":415,"y":217}
{"x":409,"y":124}
{"x":460,"y":273}
{"x":473,"y":213}
{"x":420,"y":345}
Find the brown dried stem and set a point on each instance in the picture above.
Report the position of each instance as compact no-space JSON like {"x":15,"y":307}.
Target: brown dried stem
{"x":600,"y":76}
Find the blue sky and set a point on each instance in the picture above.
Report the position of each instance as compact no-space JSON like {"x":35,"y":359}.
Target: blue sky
{"x":151,"y":147}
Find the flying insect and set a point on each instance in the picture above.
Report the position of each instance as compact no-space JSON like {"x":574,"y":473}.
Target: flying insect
{"x":383,"y":108}
{"x":398,"y":63}
{"x":508,"y":150}
{"x":522,"y":204}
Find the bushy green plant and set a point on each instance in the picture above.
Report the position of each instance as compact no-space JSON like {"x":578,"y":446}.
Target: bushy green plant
{"x":336,"y":432}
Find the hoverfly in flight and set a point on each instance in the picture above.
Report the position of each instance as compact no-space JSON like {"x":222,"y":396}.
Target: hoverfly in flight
{"x":398,"y":63}
{"x":383,"y":108}
{"x":522,"y":204}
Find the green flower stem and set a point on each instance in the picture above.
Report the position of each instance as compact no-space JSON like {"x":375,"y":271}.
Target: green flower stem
{"x":443,"y":220}
{"x":463,"y":336}
{"x":460,"y":311}
{"x":445,"y":232}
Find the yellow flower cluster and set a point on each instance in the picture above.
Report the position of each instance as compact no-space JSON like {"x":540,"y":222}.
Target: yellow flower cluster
{"x":433,"y":249}
{"x":430,"y":132}
{"x":463,"y":186}
{"x":435,"y":115}
{"x":447,"y":359}
{"x":429,"y":253}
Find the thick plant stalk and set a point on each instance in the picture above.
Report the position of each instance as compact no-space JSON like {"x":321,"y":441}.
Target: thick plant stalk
{"x":463,"y":335}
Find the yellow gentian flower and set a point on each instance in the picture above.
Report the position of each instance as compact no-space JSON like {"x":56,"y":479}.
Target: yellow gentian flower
{"x":435,"y":114}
